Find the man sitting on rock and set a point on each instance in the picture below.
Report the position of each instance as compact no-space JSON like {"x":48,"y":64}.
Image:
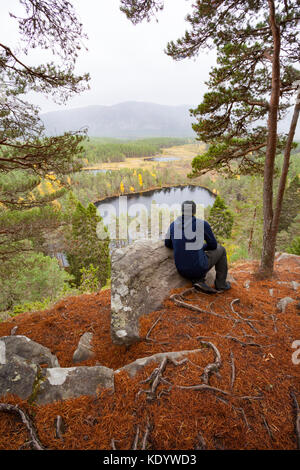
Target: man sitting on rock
{"x":194,"y":258}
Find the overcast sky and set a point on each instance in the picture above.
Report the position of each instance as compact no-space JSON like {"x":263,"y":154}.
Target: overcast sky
{"x":126,"y":62}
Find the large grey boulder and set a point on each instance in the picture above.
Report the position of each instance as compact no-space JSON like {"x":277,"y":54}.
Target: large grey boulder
{"x":142,"y":276}
{"x":279,"y":257}
{"x":23,"y":348}
{"x":64,"y":383}
{"x":17,"y":378}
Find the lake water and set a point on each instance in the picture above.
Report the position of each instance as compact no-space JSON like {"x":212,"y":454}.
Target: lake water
{"x":162,"y":159}
{"x":166,"y":200}
{"x":97,"y":170}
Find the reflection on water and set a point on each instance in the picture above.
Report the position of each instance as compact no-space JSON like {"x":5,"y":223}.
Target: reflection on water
{"x":97,"y":170}
{"x":165,"y":200}
{"x":161,"y":159}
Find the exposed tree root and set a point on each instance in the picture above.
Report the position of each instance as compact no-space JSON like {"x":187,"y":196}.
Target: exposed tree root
{"x":152,"y":328}
{"x":232,"y":370}
{"x":297,"y":424}
{"x":267,"y":426}
{"x":177,"y":298}
{"x":146,"y":435}
{"x":213,"y":367}
{"x":136,"y":439}
{"x":201,"y":444}
{"x":27,"y":421}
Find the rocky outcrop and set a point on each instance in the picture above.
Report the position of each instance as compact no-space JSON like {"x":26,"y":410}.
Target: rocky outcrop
{"x":71,"y":382}
{"x":143,"y":274}
{"x":284,"y":256}
{"x":17,"y":377}
{"x":21,"y":374}
{"x":25,"y":378}
{"x":23,"y":348}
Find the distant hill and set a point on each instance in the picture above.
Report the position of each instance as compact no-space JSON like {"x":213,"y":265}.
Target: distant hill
{"x":131,"y":120}
{"x":124,"y":120}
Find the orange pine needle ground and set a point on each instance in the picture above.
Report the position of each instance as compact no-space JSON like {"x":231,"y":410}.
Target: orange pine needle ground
{"x":178,"y":415}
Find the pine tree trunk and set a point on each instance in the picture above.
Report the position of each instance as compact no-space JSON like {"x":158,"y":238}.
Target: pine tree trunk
{"x":286,"y":162}
{"x":269,"y":236}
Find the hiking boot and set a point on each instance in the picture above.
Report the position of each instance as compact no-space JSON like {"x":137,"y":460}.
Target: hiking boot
{"x":226,"y":287}
{"x":203,"y":287}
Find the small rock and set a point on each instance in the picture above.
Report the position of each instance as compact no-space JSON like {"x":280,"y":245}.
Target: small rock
{"x":271,"y":291}
{"x":247,"y":284}
{"x":84,"y":349}
{"x":60,"y":427}
{"x":282,"y":304}
{"x":13,"y":330}
{"x":295,"y":285}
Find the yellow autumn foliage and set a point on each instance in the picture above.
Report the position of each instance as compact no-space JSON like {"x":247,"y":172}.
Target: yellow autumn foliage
{"x":230,"y":249}
{"x":49,"y":187}
{"x":140,"y":179}
{"x":57,"y":204}
{"x":40,"y":189}
{"x":122,"y":187}
{"x":51,"y":177}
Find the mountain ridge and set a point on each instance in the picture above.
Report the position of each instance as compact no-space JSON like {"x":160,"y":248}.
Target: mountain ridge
{"x":132,"y":120}
{"x":129,"y":119}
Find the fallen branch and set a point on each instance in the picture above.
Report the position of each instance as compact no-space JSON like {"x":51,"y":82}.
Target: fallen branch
{"x":267,"y":427}
{"x":274,"y":322}
{"x":152,"y":327}
{"x":178,"y":300}
{"x":242,"y":411}
{"x":203,"y":387}
{"x":27,"y":421}
{"x":233,"y":338}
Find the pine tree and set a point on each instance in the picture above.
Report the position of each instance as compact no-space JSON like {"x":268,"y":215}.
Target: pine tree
{"x":84,"y":246}
{"x":290,"y":204}
{"x":32,"y":165}
{"x":220,"y":219}
{"x":257,"y":44}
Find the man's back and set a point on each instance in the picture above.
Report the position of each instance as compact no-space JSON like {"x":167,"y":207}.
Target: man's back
{"x":186,"y":236}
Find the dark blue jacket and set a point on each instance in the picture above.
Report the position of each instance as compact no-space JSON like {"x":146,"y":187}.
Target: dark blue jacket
{"x":186,"y":236}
